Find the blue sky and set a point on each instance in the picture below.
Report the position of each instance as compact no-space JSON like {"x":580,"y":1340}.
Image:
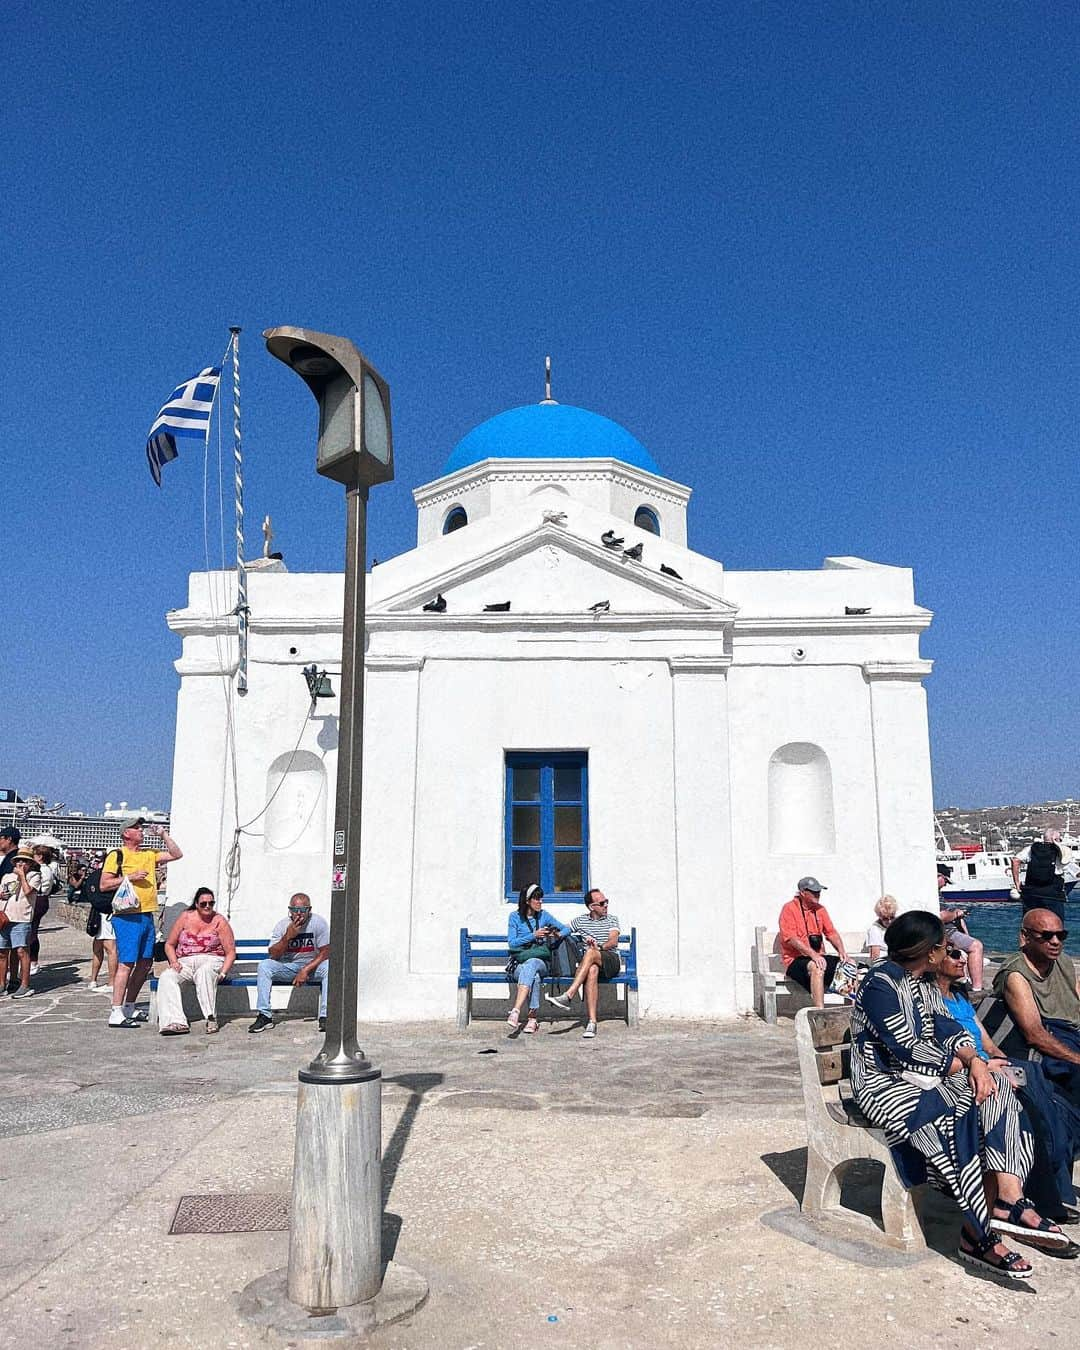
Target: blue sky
{"x":821,"y":259}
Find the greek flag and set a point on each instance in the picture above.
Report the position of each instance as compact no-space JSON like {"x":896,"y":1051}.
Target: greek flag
{"x":187,"y":413}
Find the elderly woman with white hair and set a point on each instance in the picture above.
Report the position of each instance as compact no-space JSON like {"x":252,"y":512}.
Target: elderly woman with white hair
{"x":884,"y":913}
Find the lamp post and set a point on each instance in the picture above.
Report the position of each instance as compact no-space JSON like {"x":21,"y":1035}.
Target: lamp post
{"x":335,"y":1230}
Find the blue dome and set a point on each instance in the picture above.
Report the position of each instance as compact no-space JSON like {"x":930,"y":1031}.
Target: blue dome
{"x":549,"y":431}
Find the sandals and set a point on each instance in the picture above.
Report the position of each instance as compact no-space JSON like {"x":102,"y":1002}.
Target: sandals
{"x":979,"y":1253}
{"x":175,"y":1029}
{"x":1007,"y":1219}
{"x":211,"y":1026}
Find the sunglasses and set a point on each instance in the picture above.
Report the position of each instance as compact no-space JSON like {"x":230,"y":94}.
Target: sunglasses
{"x":1047,"y":934}
{"x":302,"y":909}
{"x":205,"y":904}
{"x":954,"y":953}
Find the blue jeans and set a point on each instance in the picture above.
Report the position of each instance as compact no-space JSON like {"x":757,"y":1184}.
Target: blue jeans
{"x":529,"y":974}
{"x":284,"y":972}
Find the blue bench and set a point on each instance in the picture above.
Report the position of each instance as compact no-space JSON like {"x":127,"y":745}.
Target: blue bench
{"x":249,"y":952}
{"x":491,"y":949}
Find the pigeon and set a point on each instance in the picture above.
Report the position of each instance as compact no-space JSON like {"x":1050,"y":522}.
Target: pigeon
{"x":848,"y":610}
{"x":601,"y":607}
{"x":634,"y":553}
{"x":554,"y":518}
{"x":503,"y":607}
{"x":670,"y":572}
{"x":436,"y":606}
{"x":610,"y":539}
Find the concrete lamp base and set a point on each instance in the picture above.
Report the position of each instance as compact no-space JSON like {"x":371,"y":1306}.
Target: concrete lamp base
{"x":265,"y":1303}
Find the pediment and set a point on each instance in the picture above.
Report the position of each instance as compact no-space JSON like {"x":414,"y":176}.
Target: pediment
{"x":550,"y":571}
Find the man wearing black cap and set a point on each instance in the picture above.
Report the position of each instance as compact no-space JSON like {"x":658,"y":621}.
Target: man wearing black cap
{"x":9,"y":842}
{"x":957,"y":933}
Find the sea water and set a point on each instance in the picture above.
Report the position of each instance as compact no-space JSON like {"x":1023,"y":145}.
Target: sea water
{"x":997,"y":926}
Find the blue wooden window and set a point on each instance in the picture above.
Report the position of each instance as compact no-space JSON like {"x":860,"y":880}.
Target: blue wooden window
{"x":645,"y":518}
{"x":547,"y":823}
{"x":455,"y":520}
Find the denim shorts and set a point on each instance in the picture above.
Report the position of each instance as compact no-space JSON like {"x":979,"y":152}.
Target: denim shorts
{"x":134,"y":935}
{"x":14,"y":935}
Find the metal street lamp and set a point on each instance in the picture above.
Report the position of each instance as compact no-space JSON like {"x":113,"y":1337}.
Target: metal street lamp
{"x":335,"y":1233}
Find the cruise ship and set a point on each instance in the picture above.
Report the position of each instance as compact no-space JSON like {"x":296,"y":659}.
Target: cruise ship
{"x":80,"y":833}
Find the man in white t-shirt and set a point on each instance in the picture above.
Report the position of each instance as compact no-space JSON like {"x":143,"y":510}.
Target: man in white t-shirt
{"x":299,"y":951}
{"x":598,"y":929}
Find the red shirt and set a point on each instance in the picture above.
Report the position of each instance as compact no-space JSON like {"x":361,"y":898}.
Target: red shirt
{"x":802,"y":921}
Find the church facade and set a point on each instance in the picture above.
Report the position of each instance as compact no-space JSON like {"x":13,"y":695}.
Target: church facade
{"x":688,"y":738}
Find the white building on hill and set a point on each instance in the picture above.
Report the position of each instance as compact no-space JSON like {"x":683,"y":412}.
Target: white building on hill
{"x":693,"y":749}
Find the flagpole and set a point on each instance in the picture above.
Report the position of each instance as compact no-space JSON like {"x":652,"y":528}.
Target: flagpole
{"x":238,"y":479}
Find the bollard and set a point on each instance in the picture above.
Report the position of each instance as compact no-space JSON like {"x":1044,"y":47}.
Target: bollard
{"x":335,"y":1237}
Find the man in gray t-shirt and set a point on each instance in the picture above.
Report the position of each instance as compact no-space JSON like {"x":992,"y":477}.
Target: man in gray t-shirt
{"x":599,"y":930}
{"x":299,"y":951}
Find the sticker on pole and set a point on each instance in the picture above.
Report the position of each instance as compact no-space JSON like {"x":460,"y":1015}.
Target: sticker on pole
{"x":339,"y":879}
{"x":339,"y":843}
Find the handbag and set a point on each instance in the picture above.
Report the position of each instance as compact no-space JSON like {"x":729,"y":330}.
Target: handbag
{"x":125,"y":900}
{"x":539,"y":951}
{"x":93,"y":923}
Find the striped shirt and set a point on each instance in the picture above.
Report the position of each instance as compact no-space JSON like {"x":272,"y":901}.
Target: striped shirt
{"x":600,"y":929}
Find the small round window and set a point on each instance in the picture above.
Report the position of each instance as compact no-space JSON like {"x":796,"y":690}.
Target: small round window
{"x":456,"y":520}
{"x":645,"y":518}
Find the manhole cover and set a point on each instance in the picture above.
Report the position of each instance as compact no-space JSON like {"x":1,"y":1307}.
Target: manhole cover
{"x":231,"y":1214}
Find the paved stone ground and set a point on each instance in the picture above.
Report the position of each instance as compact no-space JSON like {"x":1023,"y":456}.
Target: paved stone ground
{"x":636,"y":1190}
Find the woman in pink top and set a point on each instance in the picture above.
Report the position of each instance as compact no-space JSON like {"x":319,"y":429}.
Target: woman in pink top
{"x":201,"y":948}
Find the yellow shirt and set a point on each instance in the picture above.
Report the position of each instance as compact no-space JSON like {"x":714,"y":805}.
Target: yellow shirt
{"x":139,"y":860}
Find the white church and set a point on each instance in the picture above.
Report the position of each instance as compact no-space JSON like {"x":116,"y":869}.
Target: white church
{"x":636,"y":717}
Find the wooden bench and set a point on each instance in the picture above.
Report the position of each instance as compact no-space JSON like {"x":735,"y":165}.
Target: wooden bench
{"x":837,"y":1134}
{"x":770,"y":981}
{"x":243,"y":975}
{"x":491,"y":952}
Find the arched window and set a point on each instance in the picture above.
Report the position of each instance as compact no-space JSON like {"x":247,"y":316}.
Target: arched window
{"x":801,"y":817}
{"x":645,"y":518}
{"x":296,"y":817}
{"x":456,"y":520}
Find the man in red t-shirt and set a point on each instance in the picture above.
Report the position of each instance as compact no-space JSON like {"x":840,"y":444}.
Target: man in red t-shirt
{"x":805,"y":927}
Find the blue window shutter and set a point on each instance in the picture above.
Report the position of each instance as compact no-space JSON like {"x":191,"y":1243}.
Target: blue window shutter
{"x":573,"y":794}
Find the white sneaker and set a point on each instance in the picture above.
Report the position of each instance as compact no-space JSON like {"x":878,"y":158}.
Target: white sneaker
{"x":93,"y":986}
{"x":138,"y":1015}
{"x":117,"y":1018}
{"x":34,"y":967}
{"x":589,"y":1032}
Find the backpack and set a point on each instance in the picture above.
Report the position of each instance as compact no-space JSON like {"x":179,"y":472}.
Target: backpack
{"x":1041,"y":864}
{"x":99,"y":899}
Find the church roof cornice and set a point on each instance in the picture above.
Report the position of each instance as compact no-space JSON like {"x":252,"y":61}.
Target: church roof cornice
{"x":447,"y":488}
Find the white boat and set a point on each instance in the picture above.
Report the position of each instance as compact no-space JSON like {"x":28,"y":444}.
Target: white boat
{"x":986,"y":875}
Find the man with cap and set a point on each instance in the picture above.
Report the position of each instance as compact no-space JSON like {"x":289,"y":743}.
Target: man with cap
{"x":957,"y":933}
{"x":9,"y":842}
{"x":805,"y":927}
{"x":134,"y":929}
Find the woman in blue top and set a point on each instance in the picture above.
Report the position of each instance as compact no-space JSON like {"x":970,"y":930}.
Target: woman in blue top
{"x":1054,"y":1122}
{"x":529,"y":928}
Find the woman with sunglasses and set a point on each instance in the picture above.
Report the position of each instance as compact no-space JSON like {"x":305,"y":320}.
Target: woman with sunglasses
{"x":200,"y":949}
{"x":529,"y":934}
{"x":1055,"y":1124}
{"x":917,"y":1075}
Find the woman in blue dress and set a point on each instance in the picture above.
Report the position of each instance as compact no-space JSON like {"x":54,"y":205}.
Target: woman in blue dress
{"x":946,"y":1115}
{"x":1055,"y":1123}
{"x":528,"y":934}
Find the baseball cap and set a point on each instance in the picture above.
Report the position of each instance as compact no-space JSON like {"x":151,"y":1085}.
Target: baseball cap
{"x":132,"y":823}
{"x":811,"y":884}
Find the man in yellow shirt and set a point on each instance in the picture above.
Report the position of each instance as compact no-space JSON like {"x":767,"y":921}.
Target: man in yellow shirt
{"x":134,"y":929}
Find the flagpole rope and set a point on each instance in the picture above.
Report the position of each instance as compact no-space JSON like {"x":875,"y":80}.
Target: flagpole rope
{"x":238,"y":478}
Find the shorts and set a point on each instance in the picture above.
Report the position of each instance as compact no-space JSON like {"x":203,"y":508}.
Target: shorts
{"x":799,"y":971}
{"x":14,"y":935}
{"x":964,"y":941}
{"x":105,"y":932}
{"x":134,"y":935}
{"x":610,"y":965}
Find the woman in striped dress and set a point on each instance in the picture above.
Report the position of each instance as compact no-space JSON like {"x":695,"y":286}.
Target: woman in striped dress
{"x":945,"y":1114}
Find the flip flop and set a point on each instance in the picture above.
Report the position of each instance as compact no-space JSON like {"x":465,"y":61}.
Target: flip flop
{"x":175,"y":1029}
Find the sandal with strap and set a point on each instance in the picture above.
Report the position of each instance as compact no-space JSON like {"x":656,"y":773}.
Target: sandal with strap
{"x":1009,"y":1219}
{"x":979,"y":1253}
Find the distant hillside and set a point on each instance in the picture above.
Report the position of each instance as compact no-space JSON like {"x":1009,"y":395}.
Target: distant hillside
{"x":1019,"y":824}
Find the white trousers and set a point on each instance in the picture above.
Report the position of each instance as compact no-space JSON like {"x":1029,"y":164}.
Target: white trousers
{"x":204,"y":972}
